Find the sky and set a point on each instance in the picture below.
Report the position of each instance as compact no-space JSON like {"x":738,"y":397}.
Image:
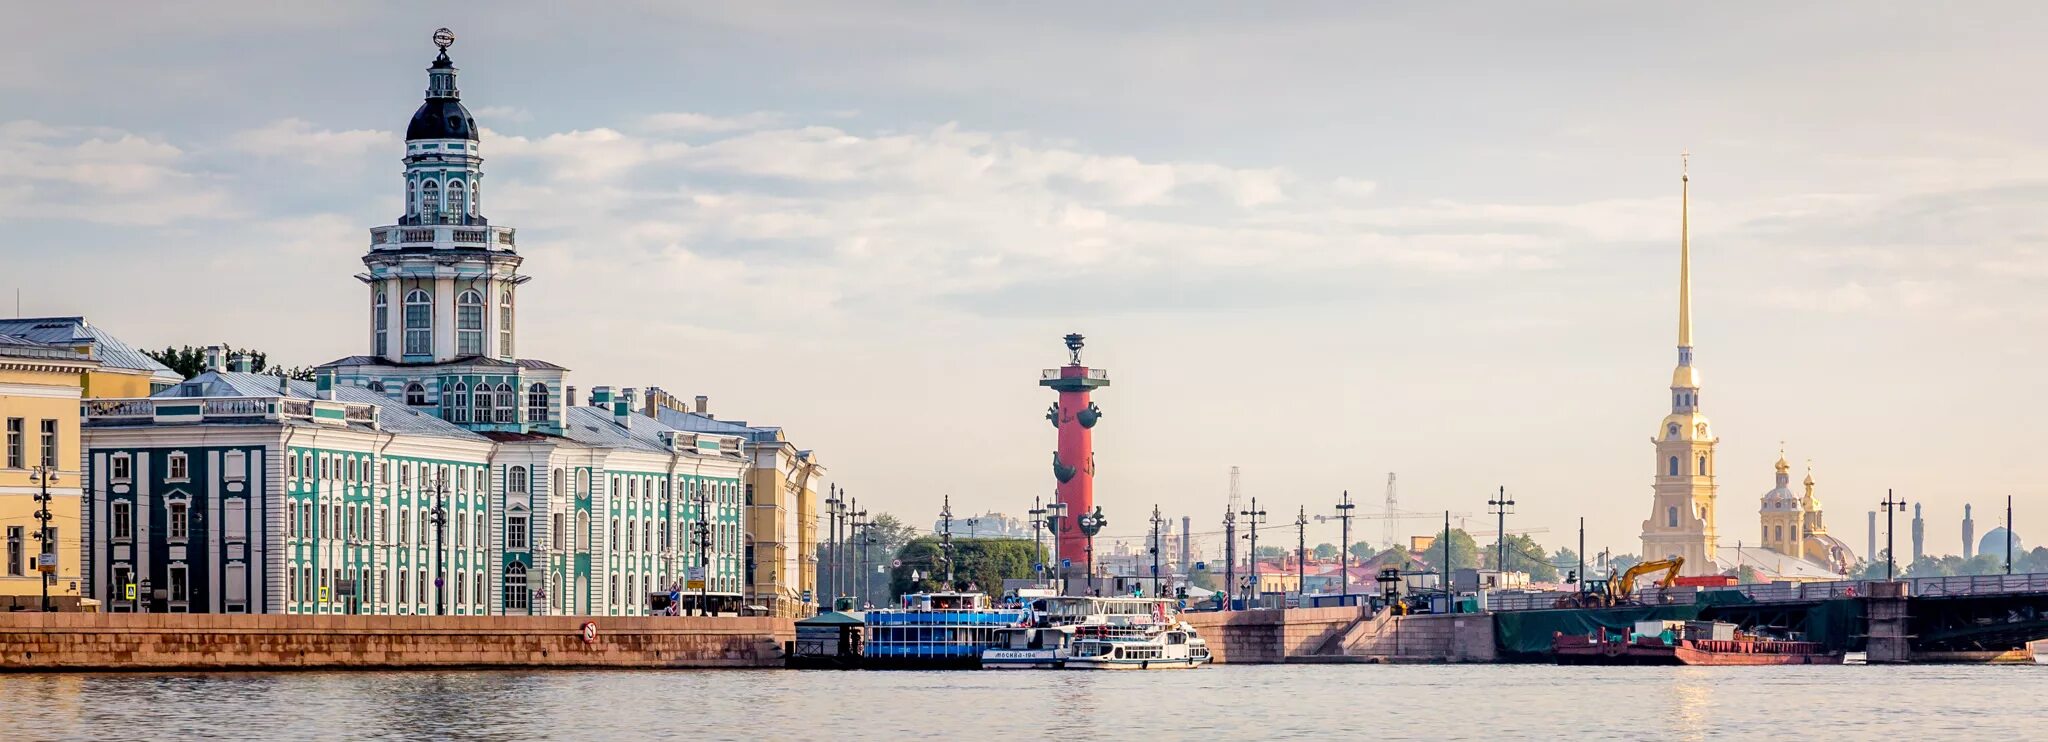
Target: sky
{"x":1320,"y":242}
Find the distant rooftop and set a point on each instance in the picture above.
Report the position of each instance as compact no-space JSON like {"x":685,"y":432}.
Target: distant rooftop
{"x":75,"y":332}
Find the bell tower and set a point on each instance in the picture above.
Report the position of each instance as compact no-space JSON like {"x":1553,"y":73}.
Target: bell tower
{"x":1681,"y":522}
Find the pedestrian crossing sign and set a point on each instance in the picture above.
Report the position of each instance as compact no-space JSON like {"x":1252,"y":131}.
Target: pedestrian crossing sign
{"x":131,"y":591}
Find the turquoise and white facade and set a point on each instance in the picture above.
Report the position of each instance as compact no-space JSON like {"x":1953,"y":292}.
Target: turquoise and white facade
{"x":236,"y":492}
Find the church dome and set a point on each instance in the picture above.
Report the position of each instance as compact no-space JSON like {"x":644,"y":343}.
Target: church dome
{"x":442,"y":118}
{"x":1994,"y":543}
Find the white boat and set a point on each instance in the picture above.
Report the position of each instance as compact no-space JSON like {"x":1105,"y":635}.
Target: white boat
{"x":1029,"y":648}
{"x":1855,"y":658}
{"x":2040,"y":652}
{"x":1171,"y":647}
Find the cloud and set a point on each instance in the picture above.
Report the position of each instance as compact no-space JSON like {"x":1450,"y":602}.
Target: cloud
{"x":702,"y":123}
{"x":100,"y":175}
{"x":298,"y":140}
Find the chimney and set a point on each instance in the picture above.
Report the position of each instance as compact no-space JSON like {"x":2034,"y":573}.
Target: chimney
{"x":216,"y":358}
{"x":601,"y":396}
{"x":703,"y":405}
{"x":622,"y":408}
{"x":323,"y":380}
{"x":242,"y":363}
{"x":569,"y":396}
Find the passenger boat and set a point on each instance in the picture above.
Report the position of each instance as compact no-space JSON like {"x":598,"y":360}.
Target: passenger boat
{"x":1171,"y":647}
{"x":1029,"y":648}
{"x":1686,"y":643}
{"x":935,"y":631}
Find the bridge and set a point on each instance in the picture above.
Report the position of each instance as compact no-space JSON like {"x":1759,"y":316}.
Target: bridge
{"x":1965,"y":618}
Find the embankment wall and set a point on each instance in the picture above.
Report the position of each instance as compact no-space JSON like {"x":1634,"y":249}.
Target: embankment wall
{"x":123,"y":641}
{"x":1269,"y":635}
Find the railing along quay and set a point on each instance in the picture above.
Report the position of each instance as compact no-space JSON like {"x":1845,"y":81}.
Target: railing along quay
{"x":1800,"y":592}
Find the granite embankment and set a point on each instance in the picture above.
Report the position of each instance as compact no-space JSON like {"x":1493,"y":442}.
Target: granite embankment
{"x":120,"y":641}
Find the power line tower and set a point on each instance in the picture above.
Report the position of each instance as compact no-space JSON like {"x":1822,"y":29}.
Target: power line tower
{"x":1230,"y":536}
{"x":1301,"y":556}
{"x":1393,"y":528}
{"x":1502,"y":506}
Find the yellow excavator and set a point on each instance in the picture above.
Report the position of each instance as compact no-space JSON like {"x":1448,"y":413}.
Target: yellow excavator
{"x":1621,"y":590}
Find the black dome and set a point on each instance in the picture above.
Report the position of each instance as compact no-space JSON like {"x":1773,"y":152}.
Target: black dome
{"x":442,"y":118}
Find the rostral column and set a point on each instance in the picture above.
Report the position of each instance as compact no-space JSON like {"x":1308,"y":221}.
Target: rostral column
{"x":1073,"y":465}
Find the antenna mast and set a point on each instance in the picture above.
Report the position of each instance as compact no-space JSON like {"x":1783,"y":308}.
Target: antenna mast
{"x":1393,"y":528}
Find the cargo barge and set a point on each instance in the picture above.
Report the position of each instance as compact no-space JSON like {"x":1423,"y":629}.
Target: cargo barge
{"x":1686,"y":643}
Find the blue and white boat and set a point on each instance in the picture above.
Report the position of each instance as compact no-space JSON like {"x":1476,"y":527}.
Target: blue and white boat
{"x":935,"y":631}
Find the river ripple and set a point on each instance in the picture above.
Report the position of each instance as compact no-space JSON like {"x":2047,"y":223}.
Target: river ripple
{"x":1215,"y":703}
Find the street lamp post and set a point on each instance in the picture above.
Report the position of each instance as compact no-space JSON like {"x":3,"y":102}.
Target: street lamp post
{"x":46,"y":556}
{"x":1344,"y":507}
{"x":1055,"y":522}
{"x":1092,"y":523}
{"x":1890,"y":505}
{"x":1038,"y":512}
{"x":439,"y":517}
{"x":1255,"y":516}
{"x":703,"y":533}
{"x":831,"y":581}
{"x":1301,"y":557}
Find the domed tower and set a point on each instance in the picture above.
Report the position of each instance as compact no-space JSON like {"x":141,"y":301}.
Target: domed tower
{"x":1783,"y":515}
{"x":443,"y":284}
{"x":1681,"y":522}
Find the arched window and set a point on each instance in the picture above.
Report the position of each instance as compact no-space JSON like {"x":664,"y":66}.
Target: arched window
{"x":412,"y":197}
{"x":380,"y":321}
{"x":377,"y":386}
{"x":482,"y":606}
{"x":1703,"y":464}
{"x":1779,"y":531}
{"x":537,"y":403}
{"x":457,"y":400}
{"x":1671,"y":432}
{"x":508,"y":404}
{"x":1671,"y":516}
{"x":476,"y":197}
{"x":483,"y":403}
{"x":582,"y":482}
{"x":515,"y":480}
{"x":415,"y":395}
{"x":458,"y":198}
{"x":505,"y":324}
{"x":419,"y":322}
{"x":1671,"y":467}
{"x":469,"y":323}
{"x":430,"y":201}
{"x":582,"y":530}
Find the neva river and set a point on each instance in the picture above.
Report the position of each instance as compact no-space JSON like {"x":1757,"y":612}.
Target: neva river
{"x":1215,"y":703}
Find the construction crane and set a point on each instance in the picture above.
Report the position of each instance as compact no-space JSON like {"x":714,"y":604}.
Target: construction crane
{"x":1393,"y":505}
{"x":1622,"y":590}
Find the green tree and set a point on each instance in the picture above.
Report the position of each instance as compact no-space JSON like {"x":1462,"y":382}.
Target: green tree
{"x":1205,"y":580}
{"x":1272,"y":552}
{"x":1523,"y":555}
{"x":1464,"y":551}
{"x":1325,"y":551}
{"x":188,"y":361}
{"x":1928,"y":566}
{"x":1747,"y":575}
{"x":886,"y":536}
{"x":1363,"y":551}
{"x":1620,"y":563}
{"x":1566,"y":559}
{"x":978,"y":564}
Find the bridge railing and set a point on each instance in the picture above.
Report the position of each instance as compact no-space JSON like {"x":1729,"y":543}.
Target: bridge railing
{"x":1799,"y":592}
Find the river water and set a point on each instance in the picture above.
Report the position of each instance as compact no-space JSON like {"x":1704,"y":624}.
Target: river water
{"x":1214,"y":703}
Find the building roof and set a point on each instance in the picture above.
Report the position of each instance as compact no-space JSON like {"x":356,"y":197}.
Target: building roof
{"x":13,"y":346}
{"x":393,"y":416}
{"x":1772,"y":565}
{"x":75,"y":332}
{"x":697,"y":422}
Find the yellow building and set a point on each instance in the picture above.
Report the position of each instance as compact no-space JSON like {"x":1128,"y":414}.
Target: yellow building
{"x":40,"y":388}
{"x":1681,"y":522}
{"x":783,"y":508}
{"x":1793,"y":527}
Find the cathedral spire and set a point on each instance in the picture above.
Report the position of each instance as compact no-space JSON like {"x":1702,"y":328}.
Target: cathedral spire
{"x":1684,"y":258}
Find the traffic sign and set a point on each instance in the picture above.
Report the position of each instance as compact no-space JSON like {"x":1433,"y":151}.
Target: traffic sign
{"x":696,"y":574}
{"x":1066,"y":563}
{"x":589,"y":632}
{"x":46,"y":562}
{"x":131,"y":591}
{"x":694,"y":585}
{"x":323,"y":593}
{"x":895,"y":562}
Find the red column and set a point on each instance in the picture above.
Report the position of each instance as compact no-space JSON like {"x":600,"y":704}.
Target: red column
{"x":1077,"y":450}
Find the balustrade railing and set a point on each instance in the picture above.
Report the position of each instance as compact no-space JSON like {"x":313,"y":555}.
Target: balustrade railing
{"x":295,"y":407}
{"x":359,"y":413}
{"x":120,"y":408}
{"x":241,"y":406}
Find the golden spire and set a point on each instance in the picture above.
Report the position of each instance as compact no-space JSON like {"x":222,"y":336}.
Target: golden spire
{"x":1685,"y":250}
{"x":1782,"y":466}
